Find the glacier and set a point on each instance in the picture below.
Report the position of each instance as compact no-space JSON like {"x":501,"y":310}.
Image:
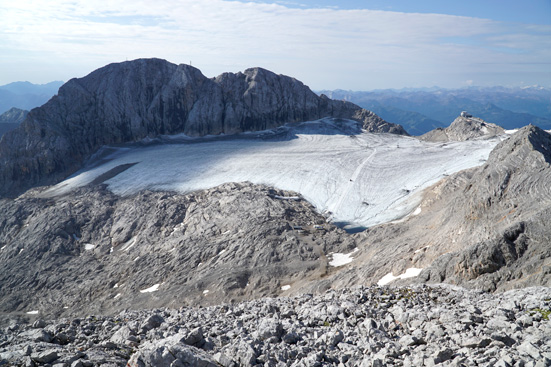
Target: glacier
{"x":357,"y":179}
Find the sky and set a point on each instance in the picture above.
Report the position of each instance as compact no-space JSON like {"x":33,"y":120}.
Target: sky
{"x":347,"y":44}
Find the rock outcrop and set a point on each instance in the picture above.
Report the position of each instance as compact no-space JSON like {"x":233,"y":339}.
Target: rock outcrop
{"x":465,"y":127}
{"x":133,"y":100}
{"x":13,"y":116}
{"x":96,"y":253}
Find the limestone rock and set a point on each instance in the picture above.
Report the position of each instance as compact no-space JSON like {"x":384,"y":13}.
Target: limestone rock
{"x":92,"y":251}
{"x":11,"y":119}
{"x":465,"y":127}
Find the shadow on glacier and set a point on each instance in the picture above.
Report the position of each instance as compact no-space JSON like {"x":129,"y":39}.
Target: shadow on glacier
{"x":287,"y":132}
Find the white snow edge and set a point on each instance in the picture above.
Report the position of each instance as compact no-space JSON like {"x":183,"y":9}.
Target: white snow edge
{"x":153,"y":288}
{"x":410,"y":273}
{"x":342,"y":259}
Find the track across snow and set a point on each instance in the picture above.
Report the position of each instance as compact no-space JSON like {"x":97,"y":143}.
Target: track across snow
{"x":356,"y":177}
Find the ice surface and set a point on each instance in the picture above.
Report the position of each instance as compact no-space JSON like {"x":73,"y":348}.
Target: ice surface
{"x":88,"y":246}
{"x":342,"y":259}
{"x":364,"y":179}
{"x":285,"y":287}
{"x":410,"y":273}
{"x":153,"y":288}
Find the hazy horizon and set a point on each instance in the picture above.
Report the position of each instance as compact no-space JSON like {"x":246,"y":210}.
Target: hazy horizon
{"x":327,"y":44}
{"x":428,"y":88}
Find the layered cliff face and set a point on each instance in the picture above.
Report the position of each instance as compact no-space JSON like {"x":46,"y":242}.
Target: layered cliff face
{"x":132,"y":100}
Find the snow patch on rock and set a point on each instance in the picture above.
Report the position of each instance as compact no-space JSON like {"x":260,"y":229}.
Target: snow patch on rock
{"x":410,"y":273}
{"x":153,"y":288}
{"x":342,"y":259}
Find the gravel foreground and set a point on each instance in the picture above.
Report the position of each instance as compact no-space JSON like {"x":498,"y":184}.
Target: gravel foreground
{"x":362,"y":326}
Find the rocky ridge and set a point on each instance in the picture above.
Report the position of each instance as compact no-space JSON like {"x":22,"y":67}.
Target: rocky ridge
{"x":376,"y":326}
{"x":129,"y":101}
{"x":484,"y":228}
{"x":465,"y":127}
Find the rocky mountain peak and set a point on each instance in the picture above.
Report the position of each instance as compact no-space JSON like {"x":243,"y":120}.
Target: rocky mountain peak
{"x":13,"y":116}
{"x":530,"y":144}
{"x":465,"y":127}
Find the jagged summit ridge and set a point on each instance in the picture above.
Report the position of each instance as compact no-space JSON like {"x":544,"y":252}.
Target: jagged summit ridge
{"x":528,"y":144}
{"x":129,"y":101}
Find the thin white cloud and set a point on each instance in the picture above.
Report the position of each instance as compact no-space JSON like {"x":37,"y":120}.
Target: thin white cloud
{"x":326,"y":48}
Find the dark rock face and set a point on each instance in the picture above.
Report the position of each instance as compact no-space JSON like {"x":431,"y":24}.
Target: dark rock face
{"x":13,"y":116}
{"x":11,"y":119}
{"x":132,"y":100}
{"x":94,"y":252}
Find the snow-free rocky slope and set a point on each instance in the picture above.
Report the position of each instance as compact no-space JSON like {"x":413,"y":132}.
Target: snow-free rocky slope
{"x":94,"y":252}
{"x":133,"y":100}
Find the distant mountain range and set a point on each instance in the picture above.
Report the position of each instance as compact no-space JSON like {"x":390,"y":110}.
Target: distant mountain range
{"x":26,"y":95}
{"x":420,"y":111}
